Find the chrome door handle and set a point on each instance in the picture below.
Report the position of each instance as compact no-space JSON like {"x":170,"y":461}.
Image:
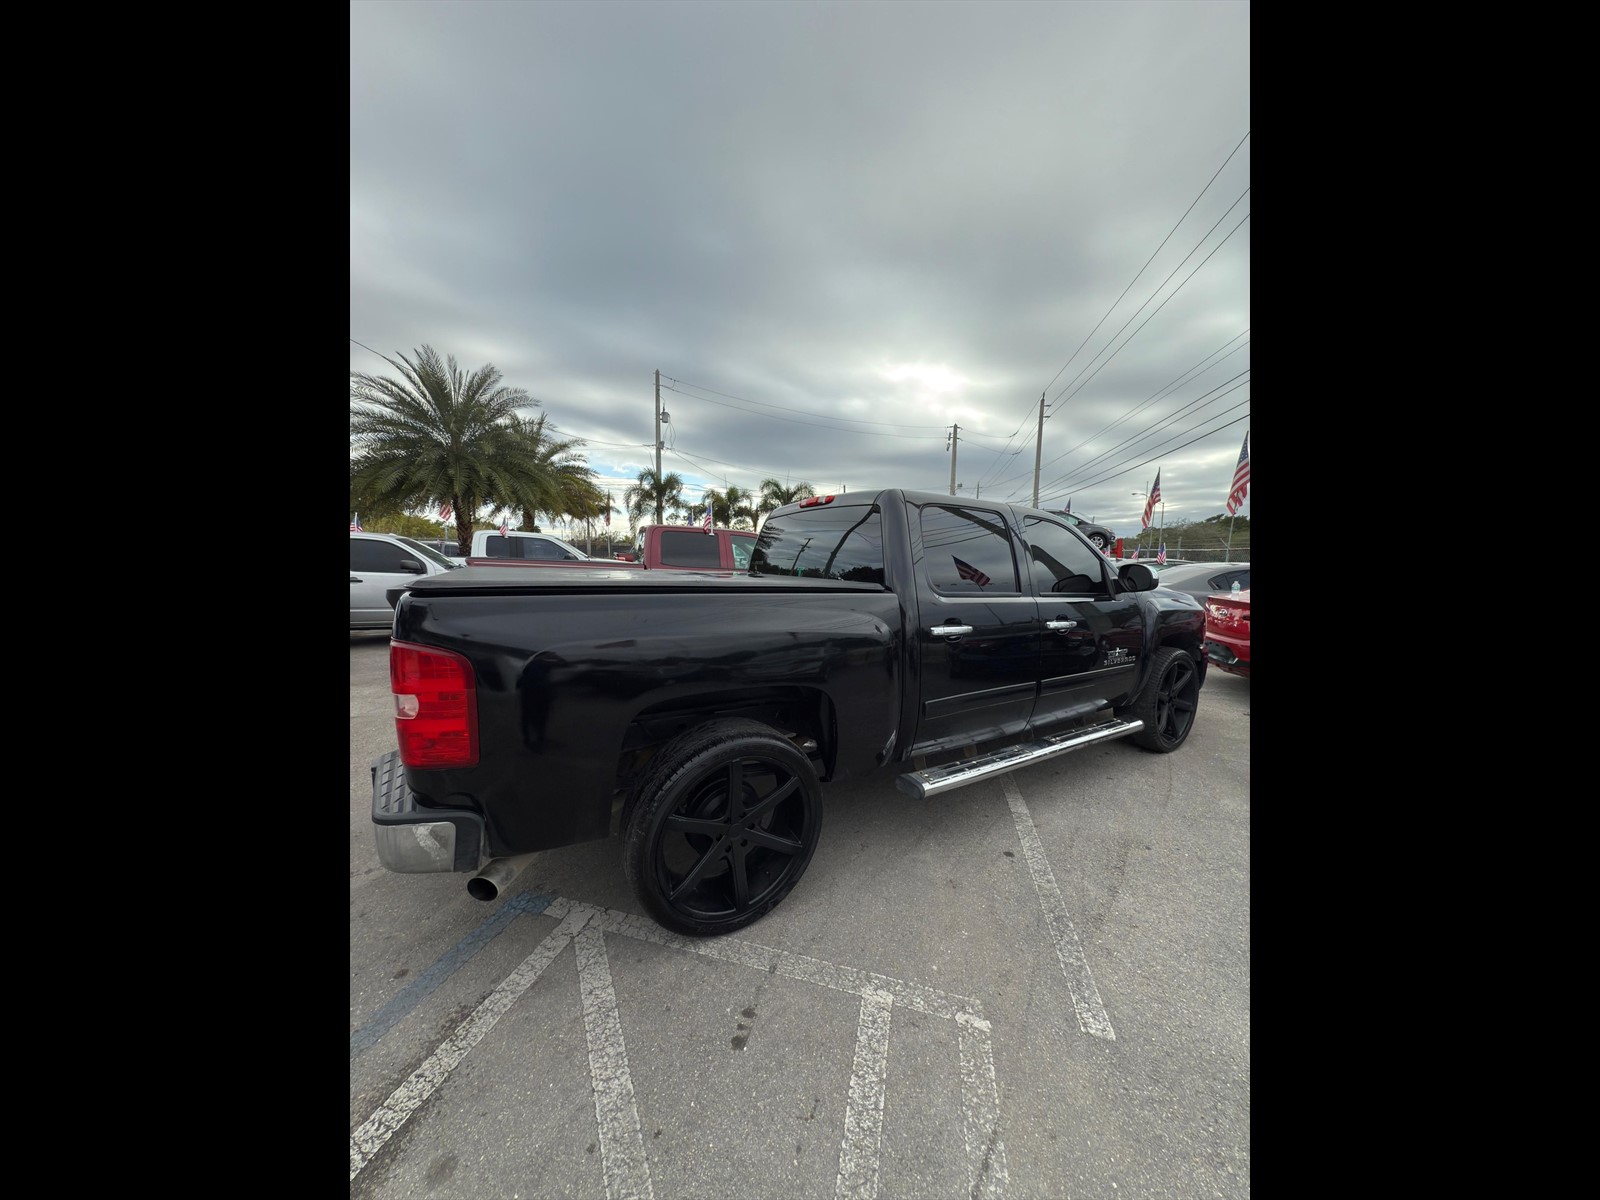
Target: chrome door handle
{"x":949,"y":630}
{"x":1059,"y":624}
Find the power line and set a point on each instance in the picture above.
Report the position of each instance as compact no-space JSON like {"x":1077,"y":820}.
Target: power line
{"x":1157,"y":292}
{"x":1150,"y":260}
{"x":1162,"y":305}
{"x":1135,"y":279}
{"x":1182,"y":377}
{"x":1067,"y":481}
{"x":1123,"y":470}
{"x":1148,"y":429}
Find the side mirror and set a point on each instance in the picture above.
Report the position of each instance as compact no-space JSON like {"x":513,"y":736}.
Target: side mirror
{"x":412,"y":565}
{"x":1136,"y":577}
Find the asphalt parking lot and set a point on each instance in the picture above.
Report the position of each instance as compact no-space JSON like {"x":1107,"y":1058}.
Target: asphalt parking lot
{"x":1034,"y":986}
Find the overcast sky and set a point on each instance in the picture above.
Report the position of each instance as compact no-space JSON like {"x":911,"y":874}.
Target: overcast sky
{"x":838,"y":230}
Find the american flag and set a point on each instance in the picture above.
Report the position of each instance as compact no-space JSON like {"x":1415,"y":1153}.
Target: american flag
{"x":1161,"y":555}
{"x":505,"y":526}
{"x":355,"y":525}
{"x":1134,"y":555}
{"x":444,"y":513}
{"x":967,"y":571}
{"x":705,"y":521}
{"x":1241,"y":478}
{"x":1153,"y":500}
{"x":1069,"y":506}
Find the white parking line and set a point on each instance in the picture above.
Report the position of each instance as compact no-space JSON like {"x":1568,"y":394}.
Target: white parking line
{"x":863,"y":1115}
{"x":623,"y":1158}
{"x":408,"y":1097}
{"x":980,"y":1115}
{"x":1085,"y":996}
{"x":621,"y":1143}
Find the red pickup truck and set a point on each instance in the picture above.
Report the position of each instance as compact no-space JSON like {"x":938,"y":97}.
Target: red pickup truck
{"x":659,"y":547}
{"x":690,"y":547}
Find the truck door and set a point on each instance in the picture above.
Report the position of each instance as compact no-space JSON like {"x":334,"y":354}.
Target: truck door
{"x":1092,"y":636}
{"x":978,"y":630}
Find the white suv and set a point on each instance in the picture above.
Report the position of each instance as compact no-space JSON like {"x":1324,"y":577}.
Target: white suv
{"x":379,"y":561}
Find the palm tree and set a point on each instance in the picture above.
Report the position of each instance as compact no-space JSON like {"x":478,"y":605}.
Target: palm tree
{"x":572,"y":492}
{"x":439,"y":436}
{"x":776,"y":495}
{"x":731,"y":506}
{"x":653,"y":492}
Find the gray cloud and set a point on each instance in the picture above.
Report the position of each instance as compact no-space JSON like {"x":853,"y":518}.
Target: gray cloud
{"x":789,"y":207}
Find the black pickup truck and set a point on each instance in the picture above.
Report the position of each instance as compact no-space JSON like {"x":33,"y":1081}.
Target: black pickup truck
{"x":696,"y":715}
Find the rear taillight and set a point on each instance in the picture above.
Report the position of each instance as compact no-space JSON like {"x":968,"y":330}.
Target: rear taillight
{"x":813,"y":501}
{"x":435,"y":706}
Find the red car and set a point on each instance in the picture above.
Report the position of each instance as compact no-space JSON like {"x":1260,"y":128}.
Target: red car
{"x":1227,"y":644}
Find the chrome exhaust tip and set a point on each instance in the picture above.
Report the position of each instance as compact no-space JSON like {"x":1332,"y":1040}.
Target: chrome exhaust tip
{"x":497,"y":876}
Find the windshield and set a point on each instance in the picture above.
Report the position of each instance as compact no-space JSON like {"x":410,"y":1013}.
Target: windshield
{"x":429,"y":553}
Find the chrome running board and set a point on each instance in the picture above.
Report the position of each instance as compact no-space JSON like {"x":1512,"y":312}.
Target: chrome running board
{"x":933,"y":780}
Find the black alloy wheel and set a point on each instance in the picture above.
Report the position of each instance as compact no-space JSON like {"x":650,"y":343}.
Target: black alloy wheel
{"x":1167,"y":702}
{"x":724,"y":826}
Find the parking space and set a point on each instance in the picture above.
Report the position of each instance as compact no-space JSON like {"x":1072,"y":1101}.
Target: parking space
{"x":1038,"y":985}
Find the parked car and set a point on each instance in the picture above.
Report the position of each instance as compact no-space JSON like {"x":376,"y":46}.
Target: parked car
{"x":1102,"y":537}
{"x":535,"y":547}
{"x":446,"y":547}
{"x":1204,"y":579}
{"x":688,"y":548}
{"x":1227,"y":642}
{"x":379,"y":561}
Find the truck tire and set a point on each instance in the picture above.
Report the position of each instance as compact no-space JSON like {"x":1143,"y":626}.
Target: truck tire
{"x":1167,"y":702}
{"x":723,"y":828}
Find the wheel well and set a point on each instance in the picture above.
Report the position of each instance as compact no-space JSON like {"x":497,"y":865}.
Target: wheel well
{"x":1191,"y":644}
{"x":804,"y":715}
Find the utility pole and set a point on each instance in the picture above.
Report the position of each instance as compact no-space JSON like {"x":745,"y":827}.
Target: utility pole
{"x":1038,"y":447}
{"x":955,"y":436}
{"x":658,"y":431}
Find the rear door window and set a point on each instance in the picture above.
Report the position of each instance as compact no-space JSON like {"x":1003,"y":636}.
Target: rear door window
{"x":967,"y":551}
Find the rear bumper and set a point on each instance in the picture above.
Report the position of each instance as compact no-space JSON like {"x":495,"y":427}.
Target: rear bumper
{"x":413,"y":839}
{"x":1228,"y":654}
